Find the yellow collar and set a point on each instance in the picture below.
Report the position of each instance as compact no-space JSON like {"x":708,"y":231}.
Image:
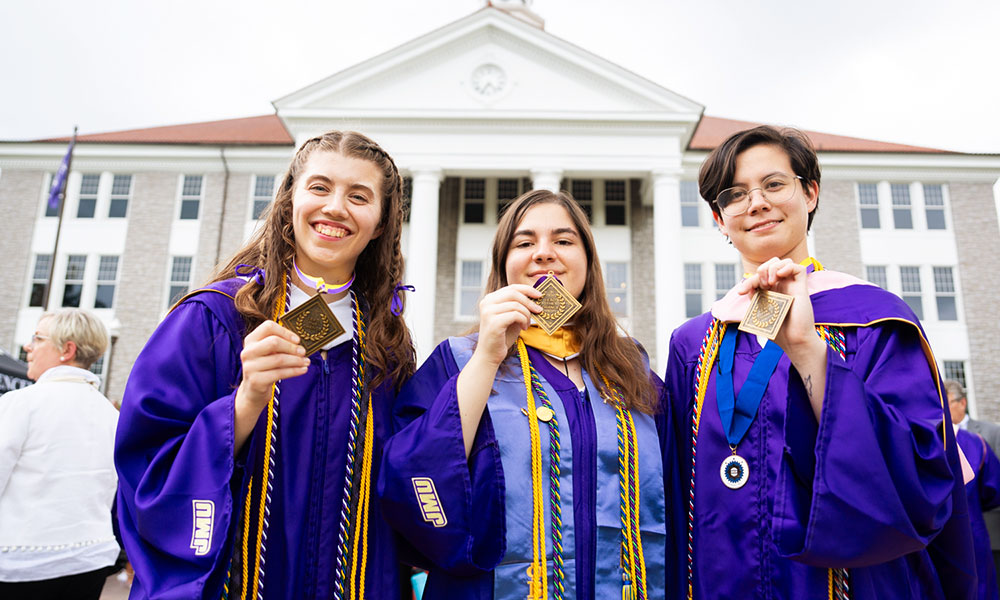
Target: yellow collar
{"x":563,"y":343}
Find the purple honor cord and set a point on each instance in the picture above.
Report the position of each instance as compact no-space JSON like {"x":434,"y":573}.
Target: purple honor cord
{"x":322,"y":286}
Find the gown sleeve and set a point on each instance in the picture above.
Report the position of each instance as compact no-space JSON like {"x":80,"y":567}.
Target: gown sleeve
{"x":451,"y":509}
{"x":174,"y":453}
{"x":873,"y":480}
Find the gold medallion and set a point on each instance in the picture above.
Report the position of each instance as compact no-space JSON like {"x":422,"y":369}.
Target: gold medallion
{"x":314,"y":323}
{"x":544,"y":414}
{"x":766,"y":313}
{"x":558,"y":305}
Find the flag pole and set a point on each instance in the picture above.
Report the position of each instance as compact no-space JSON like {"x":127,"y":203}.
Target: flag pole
{"x":62,"y":179}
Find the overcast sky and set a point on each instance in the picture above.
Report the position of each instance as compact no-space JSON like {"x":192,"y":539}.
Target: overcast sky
{"x":917,"y":71}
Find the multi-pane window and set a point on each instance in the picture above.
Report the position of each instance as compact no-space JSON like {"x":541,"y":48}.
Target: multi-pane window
{"x":615,"y":197}
{"x":40,"y":279}
{"x":107,"y":276}
{"x":692,"y":290}
{"x":934,"y":203}
{"x":902,"y":215}
{"x":98,"y":367}
{"x":910,"y":279}
{"x":877,"y":275}
{"x":121,"y":188}
{"x":868,"y":200}
{"x":474,"y":196}
{"x":191,"y":196}
{"x":507,"y":190}
{"x":263,"y":190}
{"x":690,"y":201}
{"x":76,"y":264}
{"x":583,"y":192}
{"x":470,"y":287}
{"x":180,"y":277}
{"x":725,"y":279}
{"x":944,"y":289}
{"x":616,"y":280}
{"x":88,"y":196}
{"x":955,"y":369}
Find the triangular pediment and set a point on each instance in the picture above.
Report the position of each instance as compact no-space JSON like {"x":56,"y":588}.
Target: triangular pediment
{"x":489,"y":65}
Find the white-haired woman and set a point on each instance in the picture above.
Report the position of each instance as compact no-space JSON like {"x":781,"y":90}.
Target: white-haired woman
{"x":57,"y":473}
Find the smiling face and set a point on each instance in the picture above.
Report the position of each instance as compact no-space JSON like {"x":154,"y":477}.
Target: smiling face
{"x":547,"y":240}
{"x":336,"y":207}
{"x":42,"y":353}
{"x":769,"y":230}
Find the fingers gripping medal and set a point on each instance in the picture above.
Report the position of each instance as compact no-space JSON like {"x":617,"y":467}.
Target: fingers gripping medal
{"x":558,"y":305}
{"x":313,"y":321}
{"x":766,"y":313}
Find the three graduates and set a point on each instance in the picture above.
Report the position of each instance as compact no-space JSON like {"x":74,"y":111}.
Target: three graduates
{"x":533,"y":457}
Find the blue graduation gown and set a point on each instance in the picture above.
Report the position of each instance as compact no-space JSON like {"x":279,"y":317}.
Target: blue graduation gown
{"x":872,"y":487}
{"x":983,"y":493}
{"x":174,"y":454}
{"x":478,"y":552}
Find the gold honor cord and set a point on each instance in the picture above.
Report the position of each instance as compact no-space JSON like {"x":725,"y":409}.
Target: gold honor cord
{"x":361,"y":519}
{"x":538,"y":584}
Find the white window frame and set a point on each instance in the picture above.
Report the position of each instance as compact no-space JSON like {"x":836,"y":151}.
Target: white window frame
{"x":255,"y":197}
{"x":171,"y":282}
{"x":460,"y":287}
{"x":127,"y":196}
{"x":182,"y":197}
{"x":107,"y":282}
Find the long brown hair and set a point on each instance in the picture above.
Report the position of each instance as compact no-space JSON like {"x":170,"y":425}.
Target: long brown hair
{"x":602,"y":350}
{"x":379,"y":268}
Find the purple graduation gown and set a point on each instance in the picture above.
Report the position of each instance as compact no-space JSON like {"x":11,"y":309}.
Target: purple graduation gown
{"x":872,"y":487}
{"x":983,"y":493}
{"x":466,"y":553}
{"x":174,"y":454}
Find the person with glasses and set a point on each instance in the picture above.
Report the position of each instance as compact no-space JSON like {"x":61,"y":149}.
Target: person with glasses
{"x":57,"y":472}
{"x":820,"y":463}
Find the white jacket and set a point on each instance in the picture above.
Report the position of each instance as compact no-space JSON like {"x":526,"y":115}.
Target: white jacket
{"x":57,"y":477}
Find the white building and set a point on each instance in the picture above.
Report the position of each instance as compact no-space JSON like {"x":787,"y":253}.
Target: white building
{"x":475,"y":113}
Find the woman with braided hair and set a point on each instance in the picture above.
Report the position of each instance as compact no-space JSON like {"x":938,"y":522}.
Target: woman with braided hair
{"x":527,"y":460}
{"x":253,"y":420}
{"x":818,"y":461}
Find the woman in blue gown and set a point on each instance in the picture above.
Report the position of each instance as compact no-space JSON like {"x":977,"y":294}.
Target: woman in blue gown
{"x":245,"y":462}
{"x":528,"y":464}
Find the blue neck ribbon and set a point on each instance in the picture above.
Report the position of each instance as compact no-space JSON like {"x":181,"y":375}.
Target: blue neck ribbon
{"x":738,"y":413}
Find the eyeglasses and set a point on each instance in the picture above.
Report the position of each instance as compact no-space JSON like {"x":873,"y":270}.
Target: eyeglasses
{"x":776,"y":189}
{"x":37,"y":338}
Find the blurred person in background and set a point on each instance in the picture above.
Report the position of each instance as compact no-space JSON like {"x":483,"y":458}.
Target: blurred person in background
{"x":980,"y":440}
{"x":57,"y":474}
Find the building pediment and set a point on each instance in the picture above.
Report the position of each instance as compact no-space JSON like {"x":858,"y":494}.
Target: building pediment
{"x":488,"y":66}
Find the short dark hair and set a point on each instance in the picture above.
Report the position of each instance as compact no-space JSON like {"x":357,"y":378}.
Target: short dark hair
{"x":719,"y":168}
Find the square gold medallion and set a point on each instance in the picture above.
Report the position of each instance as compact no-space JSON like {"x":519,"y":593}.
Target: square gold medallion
{"x":766,"y":313}
{"x":314,"y":323}
{"x":558,"y":305}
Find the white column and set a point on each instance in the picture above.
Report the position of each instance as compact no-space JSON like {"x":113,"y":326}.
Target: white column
{"x":421,"y":258}
{"x":546,"y":179}
{"x":669,"y":269}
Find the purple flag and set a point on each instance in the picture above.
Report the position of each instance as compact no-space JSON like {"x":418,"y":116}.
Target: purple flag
{"x":60,"y":178}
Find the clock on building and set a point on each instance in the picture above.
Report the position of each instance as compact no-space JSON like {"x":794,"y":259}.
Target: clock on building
{"x":488,"y":80}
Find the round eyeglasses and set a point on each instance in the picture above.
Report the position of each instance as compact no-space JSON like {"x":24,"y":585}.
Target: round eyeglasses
{"x":776,"y":189}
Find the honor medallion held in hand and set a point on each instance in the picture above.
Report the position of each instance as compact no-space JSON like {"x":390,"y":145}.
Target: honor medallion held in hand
{"x":766,"y":313}
{"x":558,"y":305}
{"x":314,"y":323}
